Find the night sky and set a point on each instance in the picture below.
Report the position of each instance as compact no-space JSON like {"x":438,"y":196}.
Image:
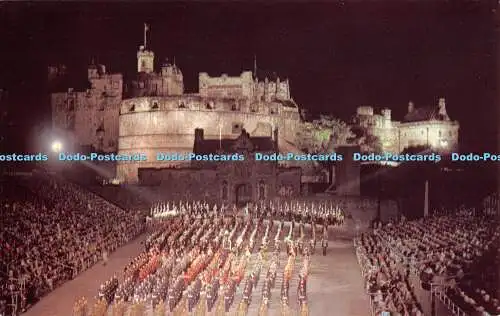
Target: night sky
{"x":337,"y":57}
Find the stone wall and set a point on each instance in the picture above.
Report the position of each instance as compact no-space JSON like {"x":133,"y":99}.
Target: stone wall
{"x":181,"y":183}
{"x":77,"y":117}
{"x":174,"y":184}
{"x":171,"y":129}
{"x":442,"y":135}
{"x":243,"y":86}
{"x":90,"y":118}
{"x":225,"y":86}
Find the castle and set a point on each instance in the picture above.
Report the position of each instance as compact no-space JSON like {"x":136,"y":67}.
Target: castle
{"x":153,"y":113}
{"x":428,"y":127}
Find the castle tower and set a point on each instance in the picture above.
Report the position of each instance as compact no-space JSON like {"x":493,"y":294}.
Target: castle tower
{"x":173,"y":83}
{"x":386,"y":113}
{"x":145,"y":57}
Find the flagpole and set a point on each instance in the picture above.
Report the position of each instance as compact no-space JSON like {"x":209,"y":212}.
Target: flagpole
{"x":145,"y":34}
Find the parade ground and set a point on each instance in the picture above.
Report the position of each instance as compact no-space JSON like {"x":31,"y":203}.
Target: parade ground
{"x":335,"y":286}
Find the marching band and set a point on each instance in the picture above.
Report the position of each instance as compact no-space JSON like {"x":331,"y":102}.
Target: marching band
{"x":198,"y":254}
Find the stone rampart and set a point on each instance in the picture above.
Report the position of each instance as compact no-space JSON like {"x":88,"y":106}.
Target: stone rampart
{"x":152,"y":125}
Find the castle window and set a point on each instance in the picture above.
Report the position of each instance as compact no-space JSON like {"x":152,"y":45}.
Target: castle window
{"x":234,"y":107}
{"x":450,"y":133}
{"x":104,"y":94}
{"x":155,"y":105}
{"x":132,"y":108}
{"x":71,"y":105}
{"x":209,"y":106}
{"x":182,"y":105}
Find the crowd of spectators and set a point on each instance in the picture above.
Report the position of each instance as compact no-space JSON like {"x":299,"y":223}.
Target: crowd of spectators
{"x":455,"y":253}
{"x":388,"y":285}
{"x":52,"y":231}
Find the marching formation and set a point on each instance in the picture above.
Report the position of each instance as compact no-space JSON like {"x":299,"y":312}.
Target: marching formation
{"x":197,"y":257}
{"x":322,"y":212}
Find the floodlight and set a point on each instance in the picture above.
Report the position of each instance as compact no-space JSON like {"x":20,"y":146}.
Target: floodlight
{"x":56,"y":146}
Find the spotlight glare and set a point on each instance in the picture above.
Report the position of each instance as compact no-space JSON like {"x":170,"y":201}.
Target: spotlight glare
{"x":56,"y":146}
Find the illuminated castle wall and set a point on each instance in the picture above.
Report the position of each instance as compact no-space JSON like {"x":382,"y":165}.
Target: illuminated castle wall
{"x":427,"y":126}
{"x":156,"y":115}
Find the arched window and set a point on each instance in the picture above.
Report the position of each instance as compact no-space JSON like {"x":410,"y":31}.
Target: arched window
{"x":225,"y":191}
{"x":155,"y":105}
{"x":132,"y":108}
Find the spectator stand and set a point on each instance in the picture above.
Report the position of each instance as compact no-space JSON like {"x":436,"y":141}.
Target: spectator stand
{"x":53,"y":231}
{"x":437,"y":290}
{"x":477,"y":233}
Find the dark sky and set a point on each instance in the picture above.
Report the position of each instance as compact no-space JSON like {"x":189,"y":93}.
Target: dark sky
{"x":336,"y":57}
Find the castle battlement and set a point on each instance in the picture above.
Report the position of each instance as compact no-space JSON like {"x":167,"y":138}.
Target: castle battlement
{"x":197,"y":102}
